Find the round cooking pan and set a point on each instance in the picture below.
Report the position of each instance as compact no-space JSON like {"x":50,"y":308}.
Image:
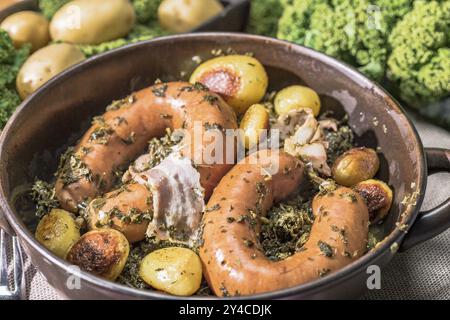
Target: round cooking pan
{"x":55,"y":116}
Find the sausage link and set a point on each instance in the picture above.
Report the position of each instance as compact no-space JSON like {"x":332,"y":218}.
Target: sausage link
{"x":122,"y":133}
{"x":233,"y":260}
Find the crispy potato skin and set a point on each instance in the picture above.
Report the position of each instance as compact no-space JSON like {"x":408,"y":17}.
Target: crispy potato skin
{"x":100,"y":252}
{"x":152,"y":110}
{"x":378,"y":196}
{"x":233,"y":262}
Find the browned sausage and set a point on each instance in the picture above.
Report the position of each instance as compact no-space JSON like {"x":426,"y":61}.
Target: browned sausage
{"x":122,"y":133}
{"x":233,"y":261}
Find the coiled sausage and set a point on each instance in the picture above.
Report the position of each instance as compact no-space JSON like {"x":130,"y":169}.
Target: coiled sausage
{"x":122,"y":133}
{"x":233,"y":261}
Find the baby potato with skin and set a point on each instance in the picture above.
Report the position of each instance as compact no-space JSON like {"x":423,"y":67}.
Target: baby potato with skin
{"x":174,"y":270}
{"x":241,"y":80}
{"x":297,"y":97}
{"x":254,"y":121}
{"x":184,"y":15}
{"x":58,"y":231}
{"x":101,"y":252}
{"x":355,"y":165}
{"x":44,"y":64}
{"x":378,"y":196}
{"x":92,"y":21}
{"x":27,"y":27}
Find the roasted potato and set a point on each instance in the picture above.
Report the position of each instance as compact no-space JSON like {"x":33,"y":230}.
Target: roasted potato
{"x":174,"y":270}
{"x":44,"y":64}
{"x":241,"y":80}
{"x":355,"y":165}
{"x":27,"y":27}
{"x":378,"y":197}
{"x":101,"y":252}
{"x":297,"y":97}
{"x":184,"y":15}
{"x":254,"y":121}
{"x":92,"y":21}
{"x":58,"y":231}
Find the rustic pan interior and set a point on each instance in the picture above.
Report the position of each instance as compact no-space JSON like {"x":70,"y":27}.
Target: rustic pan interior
{"x":56,"y":117}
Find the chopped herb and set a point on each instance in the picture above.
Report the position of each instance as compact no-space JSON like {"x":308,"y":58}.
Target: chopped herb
{"x":210,"y":99}
{"x":166,"y":116}
{"x":213,"y":126}
{"x":231,"y":219}
{"x":130,"y":139}
{"x":160,"y":90}
{"x":43,"y":194}
{"x":248,"y":243}
{"x":323,"y":272}
{"x":98,"y":203}
{"x":326,"y":249}
{"x":213,"y":208}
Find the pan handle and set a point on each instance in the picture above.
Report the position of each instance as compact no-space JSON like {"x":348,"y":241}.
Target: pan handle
{"x":435,"y":221}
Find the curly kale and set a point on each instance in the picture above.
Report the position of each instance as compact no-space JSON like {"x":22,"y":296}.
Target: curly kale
{"x":286,"y":227}
{"x":350,"y":30}
{"x":11,"y":60}
{"x":49,"y":7}
{"x":146,"y":10}
{"x":43,"y":194}
{"x":420,"y":58}
{"x":138,"y":33}
{"x":264,"y":15}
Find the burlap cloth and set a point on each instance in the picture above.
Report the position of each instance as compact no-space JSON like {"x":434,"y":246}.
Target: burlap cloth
{"x":423,"y":272}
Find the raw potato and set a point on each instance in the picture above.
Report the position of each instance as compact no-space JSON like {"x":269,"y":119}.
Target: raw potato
{"x":44,"y":64}
{"x":57,"y":231}
{"x":241,"y":80}
{"x":102,"y":252}
{"x":27,"y":27}
{"x":184,"y":15}
{"x":174,"y":270}
{"x":378,"y":197}
{"x":92,"y":21}
{"x":297,"y":97}
{"x":355,"y":165}
{"x":254,"y":121}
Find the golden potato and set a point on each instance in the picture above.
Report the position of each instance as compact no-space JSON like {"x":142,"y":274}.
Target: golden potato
{"x":297,"y":97}
{"x":378,"y":197}
{"x":355,"y":165}
{"x":44,"y":64}
{"x":101,"y":252}
{"x":92,"y":21}
{"x":184,"y":15}
{"x":255,"y":120}
{"x":174,"y":270}
{"x":27,"y":27}
{"x":241,"y":80}
{"x":57,"y":231}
